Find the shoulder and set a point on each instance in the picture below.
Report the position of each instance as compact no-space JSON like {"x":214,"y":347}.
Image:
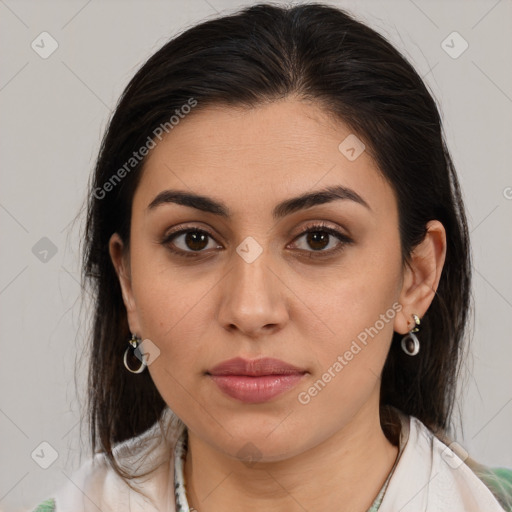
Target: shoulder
{"x":93,"y":483}
{"x":475,"y":484}
{"x":96,"y":485}
{"x":499,"y":482}
{"x":433,"y":476}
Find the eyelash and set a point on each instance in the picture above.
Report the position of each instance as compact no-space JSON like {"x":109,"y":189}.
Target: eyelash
{"x":322,"y":228}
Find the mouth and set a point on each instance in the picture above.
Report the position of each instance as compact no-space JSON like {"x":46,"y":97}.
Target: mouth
{"x":255,"y":381}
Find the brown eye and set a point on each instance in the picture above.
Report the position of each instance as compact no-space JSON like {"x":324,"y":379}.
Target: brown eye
{"x":319,"y":237}
{"x":320,"y":240}
{"x":196,"y":240}
{"x":189,"y":242}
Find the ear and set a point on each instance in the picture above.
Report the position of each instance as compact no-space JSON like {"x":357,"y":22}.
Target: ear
{"x":120,"y":260}
{"x":421,"y":276}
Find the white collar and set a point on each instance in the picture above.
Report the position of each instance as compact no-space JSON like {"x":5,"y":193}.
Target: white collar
{"x":431,"y":477}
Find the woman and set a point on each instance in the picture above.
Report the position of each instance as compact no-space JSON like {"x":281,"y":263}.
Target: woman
{"x":279,"y":251}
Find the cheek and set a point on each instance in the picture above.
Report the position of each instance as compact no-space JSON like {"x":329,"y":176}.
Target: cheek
{"x":357,"y":348}
{"x":358,"y":307}
{"x":356,"y":296}
{"x":174,"y":315}
{"x":348,"y":363}
{"x":174,"y":312}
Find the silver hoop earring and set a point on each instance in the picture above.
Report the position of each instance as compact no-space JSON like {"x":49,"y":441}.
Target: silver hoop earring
{"x":133,"y":352}
{"x":410,"y":343}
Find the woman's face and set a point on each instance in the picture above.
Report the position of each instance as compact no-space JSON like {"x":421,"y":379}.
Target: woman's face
{"x":244,"y":281}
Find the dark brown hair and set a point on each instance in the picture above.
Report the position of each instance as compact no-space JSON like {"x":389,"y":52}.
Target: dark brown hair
{"x":261,"y":54}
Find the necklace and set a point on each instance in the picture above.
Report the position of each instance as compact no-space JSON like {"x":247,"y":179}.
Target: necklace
{"x":191,"y":509}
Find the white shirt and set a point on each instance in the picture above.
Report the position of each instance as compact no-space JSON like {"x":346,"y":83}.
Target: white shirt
{"x":428,"y":476}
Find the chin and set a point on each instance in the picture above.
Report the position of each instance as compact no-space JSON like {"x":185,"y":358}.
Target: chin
{"x":255,"y":442}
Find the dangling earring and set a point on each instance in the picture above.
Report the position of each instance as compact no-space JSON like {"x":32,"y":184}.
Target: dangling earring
{"x":410,"y":342}
{"x":133,"y":352}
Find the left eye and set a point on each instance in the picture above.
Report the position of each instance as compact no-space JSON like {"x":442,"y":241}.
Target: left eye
{"x":319,"y":238}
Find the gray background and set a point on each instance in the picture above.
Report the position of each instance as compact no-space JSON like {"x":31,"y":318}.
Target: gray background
{"x":54,"y":111}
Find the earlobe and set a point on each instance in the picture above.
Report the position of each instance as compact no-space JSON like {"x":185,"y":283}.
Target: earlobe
{"x":421,"y":276}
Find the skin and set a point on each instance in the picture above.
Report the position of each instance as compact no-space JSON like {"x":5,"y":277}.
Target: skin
{"x":286,"y":304}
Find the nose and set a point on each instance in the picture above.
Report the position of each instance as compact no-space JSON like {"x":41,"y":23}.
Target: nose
{"x":253,"y":297}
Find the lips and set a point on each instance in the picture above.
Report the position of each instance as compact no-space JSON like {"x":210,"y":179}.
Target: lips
{"x":255,"y":367}
{"x":257,"y":380}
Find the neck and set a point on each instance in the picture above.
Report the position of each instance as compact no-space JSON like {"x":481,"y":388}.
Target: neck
{"x":348,"y":468}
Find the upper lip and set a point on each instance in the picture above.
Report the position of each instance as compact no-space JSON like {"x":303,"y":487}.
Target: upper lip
{"x":254,"y":367}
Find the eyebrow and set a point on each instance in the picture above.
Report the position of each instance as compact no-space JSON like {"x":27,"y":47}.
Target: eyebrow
{"x":287,"y":207}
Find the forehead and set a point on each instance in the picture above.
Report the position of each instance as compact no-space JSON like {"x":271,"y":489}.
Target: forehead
{"x":246,"y":156}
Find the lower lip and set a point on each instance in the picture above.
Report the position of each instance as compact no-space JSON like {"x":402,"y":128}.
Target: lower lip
{"x":254,"y":390}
